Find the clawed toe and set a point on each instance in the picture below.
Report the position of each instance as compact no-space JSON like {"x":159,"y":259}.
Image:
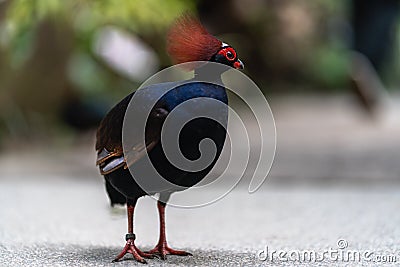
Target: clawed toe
{"x":163,"y":250}
{"x":137,"y":254}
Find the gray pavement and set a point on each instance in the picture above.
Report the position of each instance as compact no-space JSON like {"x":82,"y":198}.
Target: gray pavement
{"x":336,"y":178}
{"x":70,"y":224}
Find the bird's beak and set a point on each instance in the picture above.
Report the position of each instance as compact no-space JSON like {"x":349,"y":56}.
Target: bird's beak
{"x":238,"y":64}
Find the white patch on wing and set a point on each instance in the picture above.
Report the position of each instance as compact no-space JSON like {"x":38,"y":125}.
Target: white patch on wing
{"x":113,"y":164}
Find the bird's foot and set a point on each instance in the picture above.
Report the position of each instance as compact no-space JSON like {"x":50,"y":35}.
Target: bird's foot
{"x":131,"y":248}
{"x":162,"y":250}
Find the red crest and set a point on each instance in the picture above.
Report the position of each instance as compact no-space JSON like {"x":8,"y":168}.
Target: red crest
{"x":189,"y":41}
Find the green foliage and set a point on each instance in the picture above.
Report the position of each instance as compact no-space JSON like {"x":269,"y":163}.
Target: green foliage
{"x":148,"y":17}
{"x":84,"y":17}
{"x":47,"y":59}
{"x":137,"y":15}
{"x":330,"y":67}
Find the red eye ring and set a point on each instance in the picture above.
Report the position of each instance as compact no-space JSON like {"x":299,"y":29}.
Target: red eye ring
{"x":229,"y":53}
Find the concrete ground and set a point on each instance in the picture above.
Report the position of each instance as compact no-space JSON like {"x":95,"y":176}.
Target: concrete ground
{"x":333,"y":193}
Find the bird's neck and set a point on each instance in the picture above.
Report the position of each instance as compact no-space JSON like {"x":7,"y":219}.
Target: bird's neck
{"x":209,"y":74}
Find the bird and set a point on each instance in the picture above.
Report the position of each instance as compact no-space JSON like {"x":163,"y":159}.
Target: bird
{"x":187,"y":41}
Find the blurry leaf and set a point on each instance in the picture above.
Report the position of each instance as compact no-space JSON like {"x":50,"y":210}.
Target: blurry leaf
{"x":86,"y":74}
{"x":330,"y":66}
{"x":22,"y":47}
{"x":137,"y":15}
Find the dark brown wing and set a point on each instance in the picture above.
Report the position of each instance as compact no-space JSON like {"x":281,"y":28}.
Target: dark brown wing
{"x":109,"y":133}
{"x":109,"y":137}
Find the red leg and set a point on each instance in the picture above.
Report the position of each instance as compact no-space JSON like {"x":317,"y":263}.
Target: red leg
{"x":162,"y":249}
{"x":130,"y":246}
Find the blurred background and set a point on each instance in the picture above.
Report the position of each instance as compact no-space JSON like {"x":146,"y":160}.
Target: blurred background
{"x":63,"y":64}
{"x":329,"y":69}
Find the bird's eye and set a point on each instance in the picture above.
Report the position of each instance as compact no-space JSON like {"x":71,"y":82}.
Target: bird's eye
{"x":230,"y":55}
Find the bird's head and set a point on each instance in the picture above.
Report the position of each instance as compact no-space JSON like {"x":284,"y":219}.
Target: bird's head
{"x":189,"y":41}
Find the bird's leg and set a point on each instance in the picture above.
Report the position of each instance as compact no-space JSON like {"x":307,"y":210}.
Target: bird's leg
{"x":162,"y":249}
{"x":130,"y":237}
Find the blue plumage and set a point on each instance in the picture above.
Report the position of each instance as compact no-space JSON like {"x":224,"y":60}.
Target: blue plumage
{"x":110,"y":133}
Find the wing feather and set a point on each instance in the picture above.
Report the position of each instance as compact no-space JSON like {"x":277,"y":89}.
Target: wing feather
{"x":110,"y":154}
